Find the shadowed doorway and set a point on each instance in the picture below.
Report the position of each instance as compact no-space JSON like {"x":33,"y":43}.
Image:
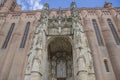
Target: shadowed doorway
{"x":60,"y":59}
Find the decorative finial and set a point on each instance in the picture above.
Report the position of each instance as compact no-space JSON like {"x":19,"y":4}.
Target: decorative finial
{"x":74,"y":10}
{"x":45,"y":13}
{"x":73,"y":5}
{"x":46,"y":6}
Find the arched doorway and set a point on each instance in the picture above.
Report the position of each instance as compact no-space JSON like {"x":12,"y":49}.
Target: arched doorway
{"x":60,"y":59}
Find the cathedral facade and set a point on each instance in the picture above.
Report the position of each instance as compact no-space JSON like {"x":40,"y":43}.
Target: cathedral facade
{"x":59,"y":44}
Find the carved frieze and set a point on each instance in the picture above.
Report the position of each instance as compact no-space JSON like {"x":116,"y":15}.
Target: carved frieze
{"x":60,"y":24}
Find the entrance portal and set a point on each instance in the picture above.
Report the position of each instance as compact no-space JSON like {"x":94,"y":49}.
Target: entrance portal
{"x":60,"y":59}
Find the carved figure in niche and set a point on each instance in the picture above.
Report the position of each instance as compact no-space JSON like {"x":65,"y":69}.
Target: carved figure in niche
{"x":90,"y":63}
{"x":29,"y":64}
{"x":53,"y":65}
{"x":36,"y":64}
{"x":69,"y":68}
{"x":61,"y":69}
{"x":30,"y":60}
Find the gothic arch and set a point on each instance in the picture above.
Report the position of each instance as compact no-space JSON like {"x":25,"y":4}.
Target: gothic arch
{"x":51,"y":38}
{"x":60,"y":56}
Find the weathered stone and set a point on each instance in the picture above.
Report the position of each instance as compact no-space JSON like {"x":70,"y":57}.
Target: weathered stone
{"x":61,"y":44}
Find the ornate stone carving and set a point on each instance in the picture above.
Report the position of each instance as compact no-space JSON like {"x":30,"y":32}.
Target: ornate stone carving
{"x":60,"y":25}
{"x":83,"y":53}
{"x":61,"y":66}
{"x":44,"y":15}
{"x":34,"y":65}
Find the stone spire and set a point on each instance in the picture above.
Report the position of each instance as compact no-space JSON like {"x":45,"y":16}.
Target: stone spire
{"x":73,"y":5}
{"x":46,"y":6}
{"x":45,"y":13}
{"x":45,"y":10}
{"x":74,"y":11}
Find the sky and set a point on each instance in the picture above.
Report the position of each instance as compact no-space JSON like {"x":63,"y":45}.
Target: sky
{"x":38,"y":4}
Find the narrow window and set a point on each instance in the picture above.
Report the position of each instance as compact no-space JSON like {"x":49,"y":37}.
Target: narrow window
{"x":8,"y":36}
{"x":116,"y":37}
{"x":106,"y":66}
{"x":98,"y":35}
{"x":22,"y":45}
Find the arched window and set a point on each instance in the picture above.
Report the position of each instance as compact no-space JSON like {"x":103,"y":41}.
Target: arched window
{"x":116,"y":37}
{"x":8,"y":36}
{"x":106,"y":65}
{"x":24,"y":38}
{"x":97,"y":31}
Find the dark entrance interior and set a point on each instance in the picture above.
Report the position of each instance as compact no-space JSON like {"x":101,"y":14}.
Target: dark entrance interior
{"x":61,"y":78}
{"x":60,"y":59}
